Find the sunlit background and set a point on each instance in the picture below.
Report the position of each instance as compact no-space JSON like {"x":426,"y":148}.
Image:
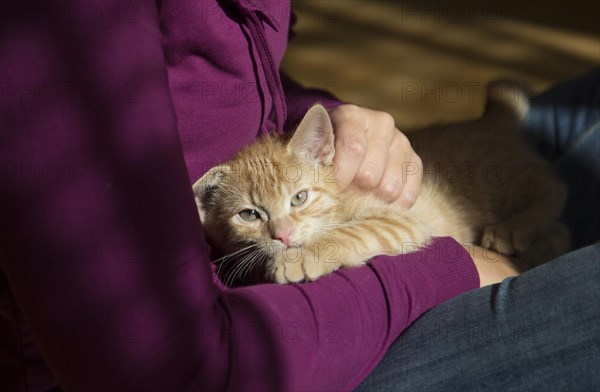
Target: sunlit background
{"x":427,"y":61}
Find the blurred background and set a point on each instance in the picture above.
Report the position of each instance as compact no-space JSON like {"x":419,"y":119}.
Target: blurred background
{"x":428,"y":61}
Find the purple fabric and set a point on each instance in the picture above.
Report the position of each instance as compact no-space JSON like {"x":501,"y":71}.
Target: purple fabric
{"x":109,"y":110}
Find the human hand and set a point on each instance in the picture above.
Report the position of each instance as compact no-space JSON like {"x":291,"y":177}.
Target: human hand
{"x":492,"y":267}
{"x":373,"y":155}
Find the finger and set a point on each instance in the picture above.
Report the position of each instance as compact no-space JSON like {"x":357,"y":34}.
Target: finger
{"x":350,"y":149}
{"x":380,"y":136}
{"x":391,"y":184}
{"x":412,"y":174}
{"x":401,"y":183}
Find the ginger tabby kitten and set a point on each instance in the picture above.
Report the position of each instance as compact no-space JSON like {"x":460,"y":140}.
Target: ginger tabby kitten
{"x":277,"y":213}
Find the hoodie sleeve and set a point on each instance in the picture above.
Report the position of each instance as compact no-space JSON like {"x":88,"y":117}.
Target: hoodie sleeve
{"x":102,"y":248}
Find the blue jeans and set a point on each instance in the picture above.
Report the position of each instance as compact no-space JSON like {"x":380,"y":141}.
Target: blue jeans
{"x":539,"y":331}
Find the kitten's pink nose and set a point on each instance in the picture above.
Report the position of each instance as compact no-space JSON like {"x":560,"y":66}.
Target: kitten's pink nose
{"x":284,"y":235}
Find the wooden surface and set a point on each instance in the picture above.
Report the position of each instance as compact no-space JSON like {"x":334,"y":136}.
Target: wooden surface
{"x":427,"y":61}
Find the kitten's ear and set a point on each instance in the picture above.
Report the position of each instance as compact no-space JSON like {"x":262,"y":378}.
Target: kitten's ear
{"x":313,"y":138}
{"x":205,"y":187}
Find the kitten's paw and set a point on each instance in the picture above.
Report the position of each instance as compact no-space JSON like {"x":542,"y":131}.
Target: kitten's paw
{"x":553,"y":243}
{"x":305,"y":267}
{"x":497,"y":240}
{"x":507,"y":240}
{"x":313,"y":270}
{"x":289,"y":272}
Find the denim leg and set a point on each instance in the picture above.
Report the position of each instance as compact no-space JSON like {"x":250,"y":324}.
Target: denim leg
{"x":564,"y":125}
{"x":537,"y":332}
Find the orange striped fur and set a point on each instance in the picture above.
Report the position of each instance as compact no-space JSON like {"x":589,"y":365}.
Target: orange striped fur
{"x":337,"y":228}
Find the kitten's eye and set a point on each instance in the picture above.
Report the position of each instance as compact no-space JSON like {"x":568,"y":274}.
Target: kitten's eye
{"x":249,"y":215}
{"x":299,"y":198}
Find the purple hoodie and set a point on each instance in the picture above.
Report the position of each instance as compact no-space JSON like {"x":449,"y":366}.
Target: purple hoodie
{"x":108,"y":111}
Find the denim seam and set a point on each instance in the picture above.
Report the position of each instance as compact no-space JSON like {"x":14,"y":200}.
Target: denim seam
{"x":586,"y":135}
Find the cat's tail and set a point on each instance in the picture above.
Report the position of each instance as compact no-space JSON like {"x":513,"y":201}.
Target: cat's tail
{"x":508,"y":98}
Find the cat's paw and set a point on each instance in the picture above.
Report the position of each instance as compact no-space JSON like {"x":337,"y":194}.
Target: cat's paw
{"x":289,"y":271}
{"x":304,"y":266}
{"x":508,"y":240}
{"x":553,"y":243}
{"x":313,"y":270}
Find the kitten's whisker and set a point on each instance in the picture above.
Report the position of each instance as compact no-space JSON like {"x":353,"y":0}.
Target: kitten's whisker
{"x":234,"y":271}
{"x":246,"y":266}
{"x":234,"y":253}
{"x":233,"y":275}
{"x":250,"y":266}
{"x":243,"y":264}
{"x":232,"y":258}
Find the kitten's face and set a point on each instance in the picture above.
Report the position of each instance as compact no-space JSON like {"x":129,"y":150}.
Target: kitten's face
{"x":271,"y":197}
{"x":272,"y":202}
